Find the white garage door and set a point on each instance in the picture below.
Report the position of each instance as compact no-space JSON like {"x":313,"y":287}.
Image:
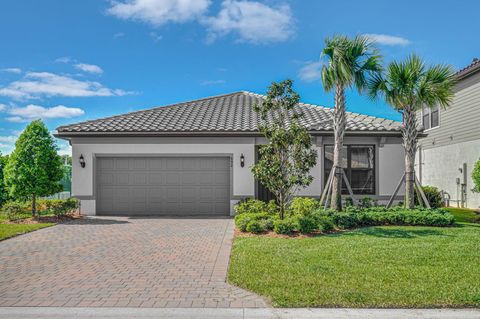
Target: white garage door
{"x":163,"y":185}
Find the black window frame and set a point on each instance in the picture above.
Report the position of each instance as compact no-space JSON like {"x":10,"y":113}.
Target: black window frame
{"x":428,"y":115}
{"x":348,"y":170}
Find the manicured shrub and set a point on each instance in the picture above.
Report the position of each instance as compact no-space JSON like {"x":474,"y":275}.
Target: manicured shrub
{"x":254,"y":206}
{"x":285,"y":226}
{"x":255,"y":226}
{"x":325,"y":224}
{"x":433,"y":196}
{"x":307,"y":224}
{"x":60,"y":207}
{"x":367,"y":202}
{"x":14,"y":210}
{"x":268,"y":224}
{"x":242,"y":220}
{"x":303,"y":206}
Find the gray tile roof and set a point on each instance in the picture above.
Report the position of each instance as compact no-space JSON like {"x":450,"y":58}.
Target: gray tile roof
{"x":229,"y":113}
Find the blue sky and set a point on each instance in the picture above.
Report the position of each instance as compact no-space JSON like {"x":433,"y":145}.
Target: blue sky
{"x":69,"y":61}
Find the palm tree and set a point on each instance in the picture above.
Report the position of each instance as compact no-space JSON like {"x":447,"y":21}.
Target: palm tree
{"x":408,"y":86}
{"x":350,"y":63}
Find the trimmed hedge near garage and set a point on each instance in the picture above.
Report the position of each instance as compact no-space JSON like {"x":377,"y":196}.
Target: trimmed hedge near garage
{"x":306,"y":217}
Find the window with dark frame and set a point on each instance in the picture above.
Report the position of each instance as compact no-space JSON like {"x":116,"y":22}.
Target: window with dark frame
{"x":430,"y":117}
{"x":358,"y":162}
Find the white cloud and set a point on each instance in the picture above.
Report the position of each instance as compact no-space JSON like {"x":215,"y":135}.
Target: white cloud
{"x":386,"y":39}
{"x":38,"y":84}
{"x":64,"y":148}
{"x":32,"y":112}
{"x":12,"y":70}
{"x":118,"y":35}
{"x":91,"y":68}
{"x":3,"y":107}
{"x":158,"y":12}
{"x":252,"y":21}
{"x":311,"y":71}
{"x":214,"y":82}
{"x":8,"y":139}
{"x":63,"y":59}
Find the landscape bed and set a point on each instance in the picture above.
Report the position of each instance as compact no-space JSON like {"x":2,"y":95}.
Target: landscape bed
{"x":373,"y":266}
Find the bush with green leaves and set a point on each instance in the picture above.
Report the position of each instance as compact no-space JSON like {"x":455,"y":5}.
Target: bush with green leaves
{"x":285,"y":226}
{"x":367,"y":202}
{"x":476,"y":176}
{"x":434,"y":197}
{"x":242,"y":220}
{"x":60,"y":207}
{"x":254,"y":206}
{"x":303,"y":206}
{"x":255,"y":226}
{"x":307,"y":224}
{"x":325,"y":224}
{"x":14,"y":210}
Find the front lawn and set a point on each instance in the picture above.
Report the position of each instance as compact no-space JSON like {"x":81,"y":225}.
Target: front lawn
{"x":390,"y":266}
{"x":10,"y":230}
{"x":465,"y":215}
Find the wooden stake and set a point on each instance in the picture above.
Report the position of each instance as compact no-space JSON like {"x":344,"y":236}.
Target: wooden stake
{"x":390,"y":201}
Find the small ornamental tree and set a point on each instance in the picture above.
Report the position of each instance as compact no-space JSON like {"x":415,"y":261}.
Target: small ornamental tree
{"x":34,"y":168}
{"x":3,"y":191}
{"x":476,"y":177}
{"x":285,"y":161}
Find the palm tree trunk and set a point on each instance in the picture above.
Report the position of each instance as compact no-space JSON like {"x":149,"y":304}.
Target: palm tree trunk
{"x":339,"y":123}
{"x":409,"y":132}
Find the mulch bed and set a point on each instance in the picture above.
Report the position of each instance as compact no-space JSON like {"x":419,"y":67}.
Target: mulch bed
{"x":272,"y":234}
{"x":46,"y":219}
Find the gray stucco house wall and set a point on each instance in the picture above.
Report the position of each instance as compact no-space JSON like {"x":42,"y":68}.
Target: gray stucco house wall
{"x":194,"y":158}
{"x":452,"y":146}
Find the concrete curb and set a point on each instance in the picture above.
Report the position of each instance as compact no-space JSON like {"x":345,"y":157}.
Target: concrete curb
{"x":230,"y":313}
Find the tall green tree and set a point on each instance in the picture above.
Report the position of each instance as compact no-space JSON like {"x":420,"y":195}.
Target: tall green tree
{"x":408,"y":86}
{"x":350,"y":63}
{"x":3,"y":191}
{"x":34,"y":167}
{"x":476,"y":177}
{"x":286,"y":160}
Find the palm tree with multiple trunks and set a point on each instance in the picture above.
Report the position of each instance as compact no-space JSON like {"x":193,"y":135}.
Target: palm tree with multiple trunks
{"x":408,"y":86}
{"x":351,"y":62}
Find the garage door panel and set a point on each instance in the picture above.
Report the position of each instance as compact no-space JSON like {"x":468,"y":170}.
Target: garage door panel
{"x":163,"y":185}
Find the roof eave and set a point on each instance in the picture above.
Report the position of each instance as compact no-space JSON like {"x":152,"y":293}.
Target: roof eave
{"x":67,"y":135}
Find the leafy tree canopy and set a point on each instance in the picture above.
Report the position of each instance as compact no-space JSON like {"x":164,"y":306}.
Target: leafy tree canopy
{"x":34,"y":167}
{"x":476,"y":176}
{"x":285,"y":161}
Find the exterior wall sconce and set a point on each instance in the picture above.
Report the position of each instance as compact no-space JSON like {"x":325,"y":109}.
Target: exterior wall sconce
{"x":242,"y":160}
{"x":81,"y":160}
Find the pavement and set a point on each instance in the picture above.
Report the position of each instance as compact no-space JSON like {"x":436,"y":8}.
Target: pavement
{"x":123,"y":262}
{"x":233,"y":313}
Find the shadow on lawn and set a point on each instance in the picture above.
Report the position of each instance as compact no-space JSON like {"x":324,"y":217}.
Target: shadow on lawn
{"x":396,"y":233}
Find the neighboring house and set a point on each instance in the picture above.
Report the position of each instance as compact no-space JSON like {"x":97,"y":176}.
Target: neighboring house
{"x":452,"y":146}
{"x":195,"y":157}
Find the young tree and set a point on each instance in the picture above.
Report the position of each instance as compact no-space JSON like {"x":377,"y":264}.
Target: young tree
{"x":3,"y":191}
{"x":350,"y":62}
{"x":286,"y":160}
{"x":476,"y":177}
{"x":34,"y":168}
{"x":408,"y":86}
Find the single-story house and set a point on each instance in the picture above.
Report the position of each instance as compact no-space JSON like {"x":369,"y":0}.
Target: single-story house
{"x":194,"y":158}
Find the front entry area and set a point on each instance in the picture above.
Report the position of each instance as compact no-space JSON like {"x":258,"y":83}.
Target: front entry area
{"x":167,"y":185}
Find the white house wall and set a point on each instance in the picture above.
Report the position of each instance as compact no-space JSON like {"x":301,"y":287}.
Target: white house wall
{"x":440,"y":167}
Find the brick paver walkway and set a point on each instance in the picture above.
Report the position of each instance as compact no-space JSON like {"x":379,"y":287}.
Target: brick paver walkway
{"x":122,"y":262}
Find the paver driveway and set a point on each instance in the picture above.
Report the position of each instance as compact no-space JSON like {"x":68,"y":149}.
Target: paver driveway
{"x":122,"y":262}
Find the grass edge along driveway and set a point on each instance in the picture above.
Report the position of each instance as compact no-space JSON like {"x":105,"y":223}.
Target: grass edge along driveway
{"x":392,"y":266}
{"x":12,"y":230}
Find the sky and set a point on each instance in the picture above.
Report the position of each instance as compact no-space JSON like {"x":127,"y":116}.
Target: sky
{"x":70,"y":61}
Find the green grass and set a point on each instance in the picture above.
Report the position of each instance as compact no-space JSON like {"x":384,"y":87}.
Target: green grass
{"x":369,"y":267}
{"x":11,"y":230}
{"x":465,"y":215}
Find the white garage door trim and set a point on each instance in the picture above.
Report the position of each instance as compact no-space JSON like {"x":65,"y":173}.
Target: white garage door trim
{"x":116,"y":192}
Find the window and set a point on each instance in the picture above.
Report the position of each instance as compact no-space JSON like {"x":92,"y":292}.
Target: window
{"x":430,"y":118}
{"x":358,"y":162}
